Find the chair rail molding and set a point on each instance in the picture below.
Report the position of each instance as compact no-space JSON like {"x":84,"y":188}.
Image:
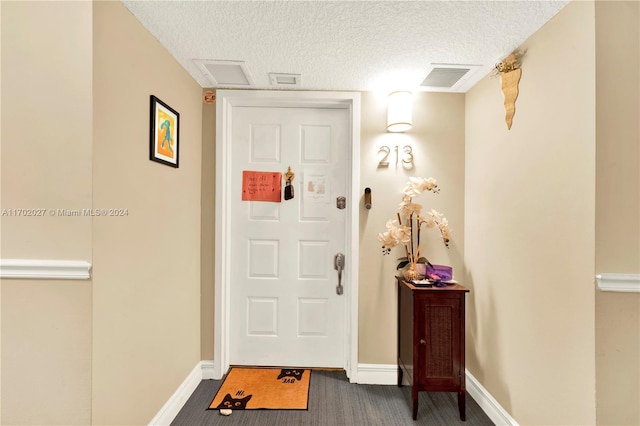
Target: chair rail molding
{"x":45,"y":269}
{"x":626,"y":283}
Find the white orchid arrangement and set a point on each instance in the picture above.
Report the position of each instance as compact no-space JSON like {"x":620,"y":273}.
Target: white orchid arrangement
{"x":407,"y":233}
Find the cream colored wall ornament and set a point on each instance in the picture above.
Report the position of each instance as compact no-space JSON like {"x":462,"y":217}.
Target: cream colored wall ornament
{"x":510,"y":73}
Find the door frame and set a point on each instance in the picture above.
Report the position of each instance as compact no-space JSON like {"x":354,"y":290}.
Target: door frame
{"x":226,"y":100}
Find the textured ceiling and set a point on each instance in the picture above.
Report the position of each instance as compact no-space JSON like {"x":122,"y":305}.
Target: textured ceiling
{"x":343,"y":45}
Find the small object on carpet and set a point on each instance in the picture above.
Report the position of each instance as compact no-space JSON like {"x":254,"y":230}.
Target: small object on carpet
{"x":263,"y":388}
{"x":225,"y":412}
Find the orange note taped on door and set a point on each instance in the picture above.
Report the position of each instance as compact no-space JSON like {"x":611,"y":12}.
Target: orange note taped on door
{"x":261,"y":186}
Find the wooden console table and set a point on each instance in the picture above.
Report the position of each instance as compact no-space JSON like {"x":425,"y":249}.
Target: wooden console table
{"x":431,"y":340}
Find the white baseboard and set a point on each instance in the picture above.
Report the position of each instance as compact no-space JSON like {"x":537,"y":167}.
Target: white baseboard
{"x":488,"y":403}
{"x":45,"y":269}
{"x":207,"y":370}
{"x":626,"y":283}
{"x":172,"y":407}
{"x":377,"y":374}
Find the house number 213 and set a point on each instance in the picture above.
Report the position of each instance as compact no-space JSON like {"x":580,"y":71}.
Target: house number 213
{"x":407,"y":156}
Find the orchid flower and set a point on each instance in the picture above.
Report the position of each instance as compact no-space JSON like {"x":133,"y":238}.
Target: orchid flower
{"x":408,"y":233}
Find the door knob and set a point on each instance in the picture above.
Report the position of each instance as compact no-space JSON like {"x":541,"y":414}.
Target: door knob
{"x":339,"y":265}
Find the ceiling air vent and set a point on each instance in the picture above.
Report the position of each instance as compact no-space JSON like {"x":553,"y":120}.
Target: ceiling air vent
{"x":225,"y":73}
{"x":285,"y":80}
{"x":447,"y":76}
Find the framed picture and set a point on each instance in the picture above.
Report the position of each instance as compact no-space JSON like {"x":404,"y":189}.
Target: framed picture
{"x":164,"y":133}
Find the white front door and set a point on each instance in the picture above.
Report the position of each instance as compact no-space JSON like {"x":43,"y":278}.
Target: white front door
{"x":284,"y":306}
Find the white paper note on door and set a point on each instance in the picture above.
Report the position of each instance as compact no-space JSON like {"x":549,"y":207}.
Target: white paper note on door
{"x":315,"y":187}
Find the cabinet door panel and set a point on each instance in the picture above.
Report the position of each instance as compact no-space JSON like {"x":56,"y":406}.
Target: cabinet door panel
{"x":439,"y":344}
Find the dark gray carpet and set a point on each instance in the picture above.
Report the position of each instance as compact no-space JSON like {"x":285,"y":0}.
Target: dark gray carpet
{"x":335,"y":401}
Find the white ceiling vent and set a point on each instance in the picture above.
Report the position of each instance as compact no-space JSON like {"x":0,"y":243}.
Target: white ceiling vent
{"x":225,"y":73}
{"x":447,"y":77}
{"x":285,"y":80}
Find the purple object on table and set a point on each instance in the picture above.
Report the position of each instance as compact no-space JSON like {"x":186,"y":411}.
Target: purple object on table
{"x":444,"y":272}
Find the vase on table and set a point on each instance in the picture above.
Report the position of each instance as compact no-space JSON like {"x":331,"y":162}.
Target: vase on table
{"x":410,"y":273}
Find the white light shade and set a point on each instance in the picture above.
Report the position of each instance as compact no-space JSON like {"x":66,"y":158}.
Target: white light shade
{"x":399,"y":117}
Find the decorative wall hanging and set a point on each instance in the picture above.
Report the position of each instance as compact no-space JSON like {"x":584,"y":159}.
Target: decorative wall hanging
{"x":164,"y":134}
{"x":510,"y":74}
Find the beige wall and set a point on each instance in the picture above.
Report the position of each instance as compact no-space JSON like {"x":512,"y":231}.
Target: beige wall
{"x":46,"y":163}
{"x":146,"y":301}
{"x":437,"y":141}
{"x":144,"y":298}
{"x":46,"y":127}
{"x":530,"y":219}
{"x":46,"y":343}
{"x":617,"y":209}
{"x":0,"y":219}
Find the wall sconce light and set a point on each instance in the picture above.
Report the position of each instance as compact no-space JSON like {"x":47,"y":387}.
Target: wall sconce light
{"x":399,"y":118}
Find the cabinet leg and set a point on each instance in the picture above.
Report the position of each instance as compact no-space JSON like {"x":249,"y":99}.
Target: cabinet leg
{"x":399,"y":377}
{"x":462,"y":396}
{"x":414,"y":401}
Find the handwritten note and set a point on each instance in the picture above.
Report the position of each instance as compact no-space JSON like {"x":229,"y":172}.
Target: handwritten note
{"x":261,"y":186}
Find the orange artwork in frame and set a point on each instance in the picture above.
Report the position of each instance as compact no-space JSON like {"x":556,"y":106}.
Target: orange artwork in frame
{"x":164,"y":138}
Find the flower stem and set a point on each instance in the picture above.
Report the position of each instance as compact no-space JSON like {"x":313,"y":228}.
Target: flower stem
{"x":413,"y":258}
{"x":418,"y":237}
{"x":405,"y":247}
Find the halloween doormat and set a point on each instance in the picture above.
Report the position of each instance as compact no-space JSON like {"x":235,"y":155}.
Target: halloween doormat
{"x":263,"y":389}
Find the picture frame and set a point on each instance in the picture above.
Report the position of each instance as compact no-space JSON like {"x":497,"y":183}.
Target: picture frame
{"x":164,"y":133}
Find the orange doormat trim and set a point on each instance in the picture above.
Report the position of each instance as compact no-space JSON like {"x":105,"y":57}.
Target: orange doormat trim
{"x":264,"y":389}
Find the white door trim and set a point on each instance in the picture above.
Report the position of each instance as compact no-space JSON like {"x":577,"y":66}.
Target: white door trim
{"x":225,"y":101}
